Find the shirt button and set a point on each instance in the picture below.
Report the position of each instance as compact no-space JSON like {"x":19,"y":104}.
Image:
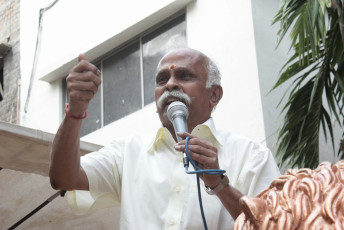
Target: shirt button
{"x":171,"y":222}
{"x":177,"y":189}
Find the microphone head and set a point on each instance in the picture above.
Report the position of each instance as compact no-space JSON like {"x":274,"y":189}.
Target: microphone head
{"x":177,"y":108}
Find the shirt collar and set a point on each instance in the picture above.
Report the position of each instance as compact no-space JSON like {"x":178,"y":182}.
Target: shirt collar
{"x":207,"y":130}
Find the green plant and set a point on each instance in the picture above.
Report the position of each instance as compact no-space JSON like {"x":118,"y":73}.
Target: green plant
{"x":316,"y":69}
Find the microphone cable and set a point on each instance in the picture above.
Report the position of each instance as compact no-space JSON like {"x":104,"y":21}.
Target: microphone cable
{"x":197,"y":171}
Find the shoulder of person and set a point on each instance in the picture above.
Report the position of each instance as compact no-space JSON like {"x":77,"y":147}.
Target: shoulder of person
{"x":141,"y":140}
{"x":235,"y":137}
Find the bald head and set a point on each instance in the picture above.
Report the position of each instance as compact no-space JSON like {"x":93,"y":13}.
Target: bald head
{"x":213,"y":73}
{"x":183,"y":52}
{"x":187,"y":75}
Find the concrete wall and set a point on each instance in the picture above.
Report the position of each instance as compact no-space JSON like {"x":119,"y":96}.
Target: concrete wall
{"x":225,"y":31}
{"x":10,"y":34}
{"x":211,"y":27}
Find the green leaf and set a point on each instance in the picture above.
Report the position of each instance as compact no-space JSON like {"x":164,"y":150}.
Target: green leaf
{"x":328,"y":3}
{"x":339,"y":79}
{"x":322,"y":5}
{"x":316,"y":73}
{"x":327,"y":118}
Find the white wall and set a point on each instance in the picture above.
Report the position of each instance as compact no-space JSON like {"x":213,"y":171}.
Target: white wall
{"x":71,"y":27}
{"x":43,"y":111}
{"x":224,"y":31}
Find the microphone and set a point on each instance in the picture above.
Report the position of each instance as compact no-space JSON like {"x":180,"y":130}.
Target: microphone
{"x":177,"y":113}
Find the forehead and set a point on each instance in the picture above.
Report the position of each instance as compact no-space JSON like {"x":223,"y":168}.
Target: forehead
{"x":188,"y":59}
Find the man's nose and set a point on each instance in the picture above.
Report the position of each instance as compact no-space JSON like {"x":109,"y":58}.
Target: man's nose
{"x":172,"y":84}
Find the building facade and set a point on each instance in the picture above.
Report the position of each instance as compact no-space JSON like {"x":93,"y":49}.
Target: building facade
{"x":10,"y":61}
{"x":125,"y":39}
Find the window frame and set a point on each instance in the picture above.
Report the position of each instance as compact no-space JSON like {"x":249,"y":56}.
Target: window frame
{"x":171,"y":21}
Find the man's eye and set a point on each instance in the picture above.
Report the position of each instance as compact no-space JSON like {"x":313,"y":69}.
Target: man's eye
{"x":161,"y":79}
{"x":185,"y":75}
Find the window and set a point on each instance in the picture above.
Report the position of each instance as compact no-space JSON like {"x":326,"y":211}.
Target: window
{"x":1,"y":79}
{"x":128,"y":74}
{"x":4,"y":49}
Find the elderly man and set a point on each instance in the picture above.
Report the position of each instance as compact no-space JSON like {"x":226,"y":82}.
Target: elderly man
{"x":148,"y":180}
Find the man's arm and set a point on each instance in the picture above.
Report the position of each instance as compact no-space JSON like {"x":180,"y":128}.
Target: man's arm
{"x":206,"y":155}
{"x":65,"y":170}
{"x":229,"y":197}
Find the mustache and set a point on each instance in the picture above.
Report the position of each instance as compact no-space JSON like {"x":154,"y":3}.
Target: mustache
{"x":174,"y":94}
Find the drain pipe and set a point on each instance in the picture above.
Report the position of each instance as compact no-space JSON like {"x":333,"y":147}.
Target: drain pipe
{"x":37,"y":49}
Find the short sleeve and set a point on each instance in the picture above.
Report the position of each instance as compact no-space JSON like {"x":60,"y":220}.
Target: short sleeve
{"x":259,"y":170}
{"x":104,"y":172}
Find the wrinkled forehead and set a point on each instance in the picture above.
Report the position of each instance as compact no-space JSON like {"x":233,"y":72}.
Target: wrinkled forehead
{"x":183,"y":58}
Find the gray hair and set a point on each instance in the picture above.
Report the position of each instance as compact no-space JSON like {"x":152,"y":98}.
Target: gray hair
{"x":214,"y":75}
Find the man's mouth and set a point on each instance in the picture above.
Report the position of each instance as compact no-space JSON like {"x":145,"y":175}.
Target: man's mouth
{"x":170,"y":100}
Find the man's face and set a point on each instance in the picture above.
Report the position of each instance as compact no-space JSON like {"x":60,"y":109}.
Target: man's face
{"x":183,"y":70}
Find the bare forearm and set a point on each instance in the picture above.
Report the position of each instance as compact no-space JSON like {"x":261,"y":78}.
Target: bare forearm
{"x":65,"y":171}
{"x":65,"y":157}
{"x":229,"y":197}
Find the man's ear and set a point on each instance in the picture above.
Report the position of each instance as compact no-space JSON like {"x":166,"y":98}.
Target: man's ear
{"x":216,"y":95}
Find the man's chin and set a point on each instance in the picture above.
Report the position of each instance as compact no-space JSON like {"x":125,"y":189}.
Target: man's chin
{"x":164,"y":117}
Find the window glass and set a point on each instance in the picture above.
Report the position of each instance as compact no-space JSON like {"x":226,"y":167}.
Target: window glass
{"x":122,"y":84}
{"x":157,"y":44}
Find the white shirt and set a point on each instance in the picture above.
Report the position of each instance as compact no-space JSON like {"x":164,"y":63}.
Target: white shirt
{"x":148,"y":180}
